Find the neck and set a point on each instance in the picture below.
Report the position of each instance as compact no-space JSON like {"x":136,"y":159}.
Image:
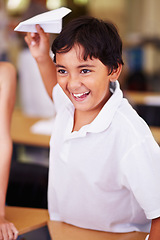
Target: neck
{"x":82,"y":118}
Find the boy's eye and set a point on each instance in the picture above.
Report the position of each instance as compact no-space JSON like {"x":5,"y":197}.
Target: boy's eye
{"x":85,"y":71}
{"x":62,"y":71}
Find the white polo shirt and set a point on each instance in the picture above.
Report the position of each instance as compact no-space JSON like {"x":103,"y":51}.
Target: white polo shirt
{"x":106,"y":175}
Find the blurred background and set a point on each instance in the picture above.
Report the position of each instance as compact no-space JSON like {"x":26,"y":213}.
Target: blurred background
{"x":136,"y":20}
{"x":138,"y":24}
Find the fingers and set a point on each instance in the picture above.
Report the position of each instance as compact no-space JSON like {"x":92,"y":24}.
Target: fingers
{"x":14,"y":231}
{"x":8,"y":232}
{"x":32,"y":39}
{"x":38,"y":43}
{"x":41,"y":32}
{"x":39,"y":29}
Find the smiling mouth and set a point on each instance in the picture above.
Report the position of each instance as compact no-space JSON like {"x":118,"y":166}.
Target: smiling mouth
{"x":80,"y":95}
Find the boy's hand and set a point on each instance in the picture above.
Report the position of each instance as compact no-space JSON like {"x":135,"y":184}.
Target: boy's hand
{"x":7,"y":230}
{"x":38,"y":44}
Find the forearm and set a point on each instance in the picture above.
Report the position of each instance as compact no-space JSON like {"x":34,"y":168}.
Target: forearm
{"x":2,"y":202}
{"x":5,"y":159}
{"x":39,"y":46}
{"x":48,"y":73}
{"x":155,"y":229}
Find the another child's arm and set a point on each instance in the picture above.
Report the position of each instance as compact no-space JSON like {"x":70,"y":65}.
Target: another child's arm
{"x":39,"y":46}
{"x":7,"y":100}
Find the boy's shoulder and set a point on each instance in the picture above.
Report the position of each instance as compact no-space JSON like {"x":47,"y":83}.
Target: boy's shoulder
{"x":129,"y":121}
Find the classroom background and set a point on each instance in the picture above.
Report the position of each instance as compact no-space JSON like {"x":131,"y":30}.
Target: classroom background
{"x":33,"y":117}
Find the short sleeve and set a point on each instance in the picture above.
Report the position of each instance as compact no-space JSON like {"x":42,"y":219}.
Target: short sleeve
{"x":141,"y":169}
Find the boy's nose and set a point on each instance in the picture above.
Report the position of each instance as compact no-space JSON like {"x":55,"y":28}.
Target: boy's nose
{"x":74,"y":83}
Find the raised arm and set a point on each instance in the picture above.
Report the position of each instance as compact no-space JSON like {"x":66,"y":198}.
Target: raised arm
{"x":39,"y":46}
{"x":7,"y":100}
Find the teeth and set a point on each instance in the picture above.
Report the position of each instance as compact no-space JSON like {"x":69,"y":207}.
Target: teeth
{"x":78,"y":95}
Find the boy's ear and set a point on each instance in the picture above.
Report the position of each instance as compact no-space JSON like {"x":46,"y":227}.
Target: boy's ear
{"x":115,"y":73}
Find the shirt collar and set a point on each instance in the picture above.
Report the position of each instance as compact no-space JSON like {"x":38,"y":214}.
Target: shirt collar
{"x":105,"y":116}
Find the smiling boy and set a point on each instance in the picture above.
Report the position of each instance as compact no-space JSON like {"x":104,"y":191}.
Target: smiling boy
{"x":104,"y":163}
{"x":85,"y":82}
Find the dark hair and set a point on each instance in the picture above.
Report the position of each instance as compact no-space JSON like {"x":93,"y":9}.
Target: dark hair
{"x":98,"y":38}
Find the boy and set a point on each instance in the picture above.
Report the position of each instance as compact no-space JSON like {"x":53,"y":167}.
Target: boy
{"x":7,"y":99}
{"x":104,"y":162}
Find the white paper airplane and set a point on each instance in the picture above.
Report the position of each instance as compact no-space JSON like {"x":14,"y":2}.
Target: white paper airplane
{"x":50,"y":21}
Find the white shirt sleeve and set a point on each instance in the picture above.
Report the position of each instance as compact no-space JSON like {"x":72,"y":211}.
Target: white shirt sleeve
{"x":141,"y":169}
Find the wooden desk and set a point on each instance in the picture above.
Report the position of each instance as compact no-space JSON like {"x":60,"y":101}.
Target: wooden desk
{"x":139,"y":98}
{"x":62,"y":231}
{"x":156,"y":133}
{"x":28,"y":219}
{"x":20,"y":131}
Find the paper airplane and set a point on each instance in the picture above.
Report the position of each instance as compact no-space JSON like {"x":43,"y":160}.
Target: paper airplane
{"x":50,"y":21}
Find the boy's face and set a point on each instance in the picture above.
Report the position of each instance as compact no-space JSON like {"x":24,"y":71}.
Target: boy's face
{"x":86,"y":83}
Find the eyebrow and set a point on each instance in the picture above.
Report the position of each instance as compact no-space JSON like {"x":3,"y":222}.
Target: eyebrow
{"x":59,"y":66}
{"x":80,"y":66}
{"x":85,"y":65}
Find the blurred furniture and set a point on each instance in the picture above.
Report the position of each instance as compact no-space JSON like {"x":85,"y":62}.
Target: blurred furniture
{"x":147,"y":105}
{"x":156,"y":133}
{"x":21,"y":133}
{"x":28,"y":184}
{"x":139,"y":98}
{"x":59,"y":230}
{"x":29,"y":168}
{"x":28,"y":219}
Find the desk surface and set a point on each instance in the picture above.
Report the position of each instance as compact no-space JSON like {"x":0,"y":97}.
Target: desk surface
{"x":62,"y":231}
{"x":156,"y":133}
{"x":136,"y":97}
{"x":20,"y":130}
{"x":27,"y":219}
